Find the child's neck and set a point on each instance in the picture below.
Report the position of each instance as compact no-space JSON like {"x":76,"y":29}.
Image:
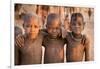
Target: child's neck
{"x":30,"y":39}
{"x":78,"y":36}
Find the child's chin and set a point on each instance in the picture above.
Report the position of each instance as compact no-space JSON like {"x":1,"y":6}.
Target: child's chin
{"x":54,"y":36}
{"x":78,"y":33}
{"x":33,"y":37}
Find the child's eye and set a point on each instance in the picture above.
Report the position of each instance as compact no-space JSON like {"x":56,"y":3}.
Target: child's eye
{"x":49,"y":28}
{"x":79,"y":23}
{"x":36,"y":26}
{"x":28,"y":26}
{"x":73,"y":23}
{"x":57,"y":28}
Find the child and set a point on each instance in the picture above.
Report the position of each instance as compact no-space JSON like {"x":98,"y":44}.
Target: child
{"x":77,"y":43}
{"x":53,"y":42}
{"x":31,"y":50}
{"x":18,"y":31}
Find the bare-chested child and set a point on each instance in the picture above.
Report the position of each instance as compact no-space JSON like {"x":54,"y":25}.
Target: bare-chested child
{"x":53,"y":41}
{"x":29,"y":45}
{"x":77,"y":43}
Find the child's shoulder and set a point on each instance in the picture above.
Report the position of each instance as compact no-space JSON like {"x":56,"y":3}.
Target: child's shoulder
{"x":85,"y":39}
{"x":68,"y":34}
{"x":43,"y":32}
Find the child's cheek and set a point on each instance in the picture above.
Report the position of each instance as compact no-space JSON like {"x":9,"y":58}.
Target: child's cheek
{"x":37,"y":31}
{"x":59,"y":31}
{"x":27,"y":30}
{"x":73,"y":29}
{"x":49,"y":31}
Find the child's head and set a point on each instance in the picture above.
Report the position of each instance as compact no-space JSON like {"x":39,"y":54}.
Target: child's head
{"x":31,"y":25}
{"x":53,"y":25}
{"x":77,"y":23}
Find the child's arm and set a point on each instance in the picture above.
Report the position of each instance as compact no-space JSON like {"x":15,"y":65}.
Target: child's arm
{"x":44,"y":33}
{"x":87,"y":50}
{"x":16,"y":55}
{"x":43,"y":42}
{"x":19,"y":41}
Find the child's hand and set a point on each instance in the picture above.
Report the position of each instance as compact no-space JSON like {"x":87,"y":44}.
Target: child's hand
{"x":19,"y":41}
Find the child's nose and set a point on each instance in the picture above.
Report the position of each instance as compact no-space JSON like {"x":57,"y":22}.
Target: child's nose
{"x":77,"y":25}
{"x":54,"y":30}
{"x":32,"y":29}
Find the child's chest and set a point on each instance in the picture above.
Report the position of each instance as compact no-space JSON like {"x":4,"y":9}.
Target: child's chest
{"x":31,"y":47}
{"x":75,"y":44}
{"x":54,"y":43}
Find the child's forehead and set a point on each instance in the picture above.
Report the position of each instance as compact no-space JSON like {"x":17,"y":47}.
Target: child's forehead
{"x":53,"y":19}
{"x":54,"y":25}
{"x":77,"y":18}
{"x":31,"y":23}
{"x":54,"y":22}
{"x":31,"y":20}
{"x":29,"y":16}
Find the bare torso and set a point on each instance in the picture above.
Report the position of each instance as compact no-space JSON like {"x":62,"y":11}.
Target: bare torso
{"x":75,"y":49}
{"x":31,"y":52}
{"x":54,"y":50}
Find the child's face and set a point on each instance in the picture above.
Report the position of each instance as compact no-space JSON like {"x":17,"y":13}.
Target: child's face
{"x":54,"y":28}
{"x":32,"y":28}
{"x":77,"y":26}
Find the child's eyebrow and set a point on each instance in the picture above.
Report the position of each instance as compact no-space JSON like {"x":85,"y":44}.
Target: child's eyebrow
{"x":74,"y":18}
